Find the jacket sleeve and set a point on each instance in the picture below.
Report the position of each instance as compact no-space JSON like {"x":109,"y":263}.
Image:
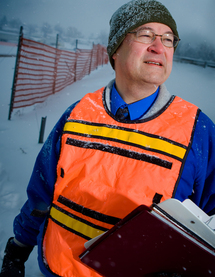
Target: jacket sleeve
{"x":41,"y":185}
{"x":198,"y":177}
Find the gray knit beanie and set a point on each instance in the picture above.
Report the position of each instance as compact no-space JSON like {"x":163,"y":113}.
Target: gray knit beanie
{"x":132,"y":15}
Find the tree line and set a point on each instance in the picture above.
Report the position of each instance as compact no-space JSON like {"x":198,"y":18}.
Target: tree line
{"x":189,"y":47}
{"x":46,"y":30}
{"x":200,"y":51}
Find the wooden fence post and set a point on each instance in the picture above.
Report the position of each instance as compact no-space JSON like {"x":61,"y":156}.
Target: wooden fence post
{"x":101,"y":56}
{"x":98,"y":49}
{"x":91,"y":59}
{"x":76,"y":61}
{"x":15,"y":72}
{"x":42,"y":129}
{"x":55,"y":65}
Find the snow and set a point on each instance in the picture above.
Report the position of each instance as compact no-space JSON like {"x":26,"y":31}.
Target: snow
{"x":19,"y":136}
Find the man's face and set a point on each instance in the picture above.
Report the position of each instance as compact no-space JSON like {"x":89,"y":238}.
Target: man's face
{"x":149,"y":64}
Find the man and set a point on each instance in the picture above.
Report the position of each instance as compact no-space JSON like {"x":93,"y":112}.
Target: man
{"x":127,"y":144}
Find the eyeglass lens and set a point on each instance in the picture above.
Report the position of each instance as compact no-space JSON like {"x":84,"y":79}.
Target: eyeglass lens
{"x":147,"y":36}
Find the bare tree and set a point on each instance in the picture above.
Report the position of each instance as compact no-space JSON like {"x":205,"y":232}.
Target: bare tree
{"x":46,"y":29}
{"x":72,"y":32}
{"x":15,"y":23}
{"x":3,"y":22}
{"x":32,"y":28}
{"x":59,"y":29}
{"x":102,"y":37}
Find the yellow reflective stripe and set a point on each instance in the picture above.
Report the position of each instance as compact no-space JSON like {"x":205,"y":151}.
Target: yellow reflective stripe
{"x":126,"y":136}
{"x":74,"y":224}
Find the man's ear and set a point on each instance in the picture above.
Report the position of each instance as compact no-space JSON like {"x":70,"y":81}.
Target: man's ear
{"x":114,"y":56}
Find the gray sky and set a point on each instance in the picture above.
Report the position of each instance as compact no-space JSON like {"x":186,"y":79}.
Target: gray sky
{"x":92,"y":16}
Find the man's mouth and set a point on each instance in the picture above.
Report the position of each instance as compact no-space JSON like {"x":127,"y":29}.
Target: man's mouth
{"x":156,"y":63}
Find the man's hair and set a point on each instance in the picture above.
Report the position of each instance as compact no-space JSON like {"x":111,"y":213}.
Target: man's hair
{"x":132,"y":15}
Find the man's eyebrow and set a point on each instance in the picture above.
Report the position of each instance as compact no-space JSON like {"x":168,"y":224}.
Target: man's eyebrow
{"x":144,"y":28}
{"x":151,"y":29}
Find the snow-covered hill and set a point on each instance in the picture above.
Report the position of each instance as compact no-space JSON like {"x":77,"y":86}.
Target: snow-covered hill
{"x":19,"y":137}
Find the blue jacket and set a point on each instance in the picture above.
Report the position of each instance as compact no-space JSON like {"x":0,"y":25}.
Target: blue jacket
{"x":197,"y":180}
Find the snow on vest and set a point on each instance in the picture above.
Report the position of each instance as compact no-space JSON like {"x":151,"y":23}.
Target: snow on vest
{"x":106,"y":169}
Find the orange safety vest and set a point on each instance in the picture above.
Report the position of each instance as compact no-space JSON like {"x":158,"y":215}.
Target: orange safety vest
{"x":106,"y":169}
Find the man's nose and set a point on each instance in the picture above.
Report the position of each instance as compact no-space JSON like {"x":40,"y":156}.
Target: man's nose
{"x":157,"y":45}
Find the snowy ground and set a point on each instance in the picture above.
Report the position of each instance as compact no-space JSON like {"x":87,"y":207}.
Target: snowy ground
{"x":19,"y":137}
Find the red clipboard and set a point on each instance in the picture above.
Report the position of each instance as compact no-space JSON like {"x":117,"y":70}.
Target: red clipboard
{"x":145,"y":243}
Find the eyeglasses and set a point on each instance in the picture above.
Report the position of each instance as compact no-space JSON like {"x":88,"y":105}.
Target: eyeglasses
{"x":147,"y":36}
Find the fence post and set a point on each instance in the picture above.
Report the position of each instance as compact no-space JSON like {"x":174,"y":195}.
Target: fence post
{"x":55,"y":65}
{"x":76,"y":44}
{"x":98,"y":50}
{"x":103,"y":59}
{"x":42,"y":129}
{"x":57,"y":38}
{"x":76,"y":59}
{"x":91,"y":59}
{"x":15,"y":72}
{"x":101,"y":55}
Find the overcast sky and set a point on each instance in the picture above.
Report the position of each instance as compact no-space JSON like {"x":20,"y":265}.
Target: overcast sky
{"x":92,"y":16}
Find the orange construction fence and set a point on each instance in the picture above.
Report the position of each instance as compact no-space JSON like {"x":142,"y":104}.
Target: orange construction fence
{"x":42,"y":70}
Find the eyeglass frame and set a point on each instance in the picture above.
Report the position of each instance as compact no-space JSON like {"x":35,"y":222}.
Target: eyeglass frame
{"x":156,"y":35}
